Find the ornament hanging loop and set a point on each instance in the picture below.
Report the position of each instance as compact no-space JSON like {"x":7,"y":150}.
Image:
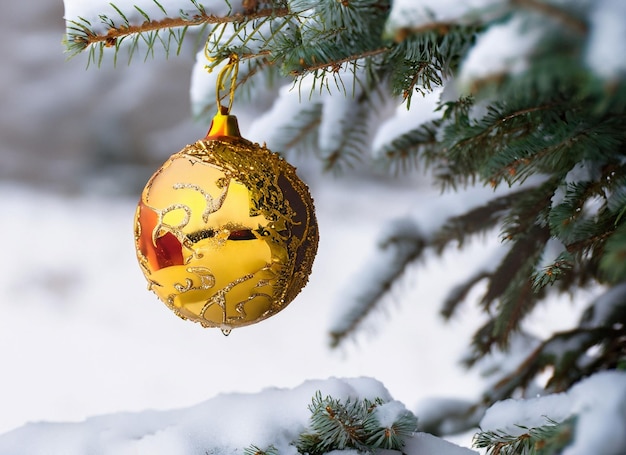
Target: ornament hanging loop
{"x":228,"y":74}
{"x":224,"y":124}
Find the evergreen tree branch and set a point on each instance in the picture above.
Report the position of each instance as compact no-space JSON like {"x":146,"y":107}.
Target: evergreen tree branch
{"x":555,"y":271}
{"x":511,"y":281}
{"x":352,"y":146}
{"x":549,"y":439}
{"x":336,"y":65}
{"x":406,"y":151}
{"x":402,"y":246}
{"x":255,"y":450}
{"x":565,"y":364}
{"x":353,"y":424}
{"x":566,"y":353}
{"x":422,"y":61}
{"x":440,"y":28}
{"x":301,"y":134}
{"x":474,"y":144}
{"x":459,"y":293}
{"x":475,"y":221}
{"x":81,"y":36}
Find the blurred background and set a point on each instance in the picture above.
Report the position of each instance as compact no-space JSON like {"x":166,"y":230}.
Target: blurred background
{"x":68,"y":128}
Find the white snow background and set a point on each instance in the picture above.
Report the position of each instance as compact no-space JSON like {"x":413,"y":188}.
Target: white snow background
{"x":82,"y":340}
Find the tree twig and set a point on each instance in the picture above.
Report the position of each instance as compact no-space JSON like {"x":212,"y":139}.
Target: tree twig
{"x":336,"y":64}
{"x":111,"y":37}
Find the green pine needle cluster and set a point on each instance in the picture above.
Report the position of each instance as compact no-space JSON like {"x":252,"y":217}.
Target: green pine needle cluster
{"x":549,"y":439}
{"x":255,"y":450}
{"x":134,"y":30}
{"x":351,"y":424}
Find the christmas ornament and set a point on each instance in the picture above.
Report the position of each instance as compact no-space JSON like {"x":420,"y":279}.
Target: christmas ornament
{"x":225,"y":231}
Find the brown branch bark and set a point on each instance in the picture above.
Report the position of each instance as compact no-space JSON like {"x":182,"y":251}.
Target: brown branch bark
{"x":336,"y":64}
{"x":111,"y":37}
{"x":441,"y":28}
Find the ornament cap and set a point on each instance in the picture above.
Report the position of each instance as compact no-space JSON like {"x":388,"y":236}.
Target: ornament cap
{"x":223,"y":124}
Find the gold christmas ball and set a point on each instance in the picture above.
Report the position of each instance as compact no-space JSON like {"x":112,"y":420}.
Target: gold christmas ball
{"x":225,"y":231}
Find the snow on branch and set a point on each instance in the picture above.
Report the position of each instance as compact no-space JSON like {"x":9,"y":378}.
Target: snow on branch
{"x":404,"y":240}
{"x":402,"y":243}
{"x":589,"y":417}
{"x":571,"y":354}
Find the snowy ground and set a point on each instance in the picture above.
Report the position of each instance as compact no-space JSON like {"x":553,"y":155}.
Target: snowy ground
{"x":80,"y":335}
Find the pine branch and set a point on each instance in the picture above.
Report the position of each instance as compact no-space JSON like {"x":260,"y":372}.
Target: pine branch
{"x":567,"y":351}
{"x":335,"y":38}
{"x":476,"y":221}
{"x":405,"y":151}
{"x":255,"y":450}
{"x":555,"y":271}
{"x":352,"y":134}
{"x":476,"y":143}
{"x":335,"y":66}
{"x":301,"y":134}
{"x":549,"y":439}
{"x":354,"y":139}
{"x":440,"y":28}
{"x":335,"y":425}
{"x":580,"y":229}
{"x":82,"y":34}
{"x":403,"y":244}
{"x":511,"y":282}
{"x":458,"y":293}
{"x":550,"y":353}
{"x":352,"y":146}
{"x":360,"y":424}
{"x":422,"y":60}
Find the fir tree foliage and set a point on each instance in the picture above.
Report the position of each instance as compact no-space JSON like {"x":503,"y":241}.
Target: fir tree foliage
{"x":135,"y":30}
{"x":360,"y":424}
{"x":255,"y":450}
{"x":549,"y":439}
{"x":353,"y":424}
{"x":554,"y":134}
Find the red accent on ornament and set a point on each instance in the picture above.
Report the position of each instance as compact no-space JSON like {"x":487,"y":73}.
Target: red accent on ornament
{"x":167,"y":252}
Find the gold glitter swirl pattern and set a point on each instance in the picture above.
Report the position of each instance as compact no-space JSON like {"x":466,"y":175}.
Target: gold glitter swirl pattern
{"x":226,"y":233}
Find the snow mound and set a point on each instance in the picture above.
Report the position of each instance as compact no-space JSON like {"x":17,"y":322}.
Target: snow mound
{"x":226,"y":424}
